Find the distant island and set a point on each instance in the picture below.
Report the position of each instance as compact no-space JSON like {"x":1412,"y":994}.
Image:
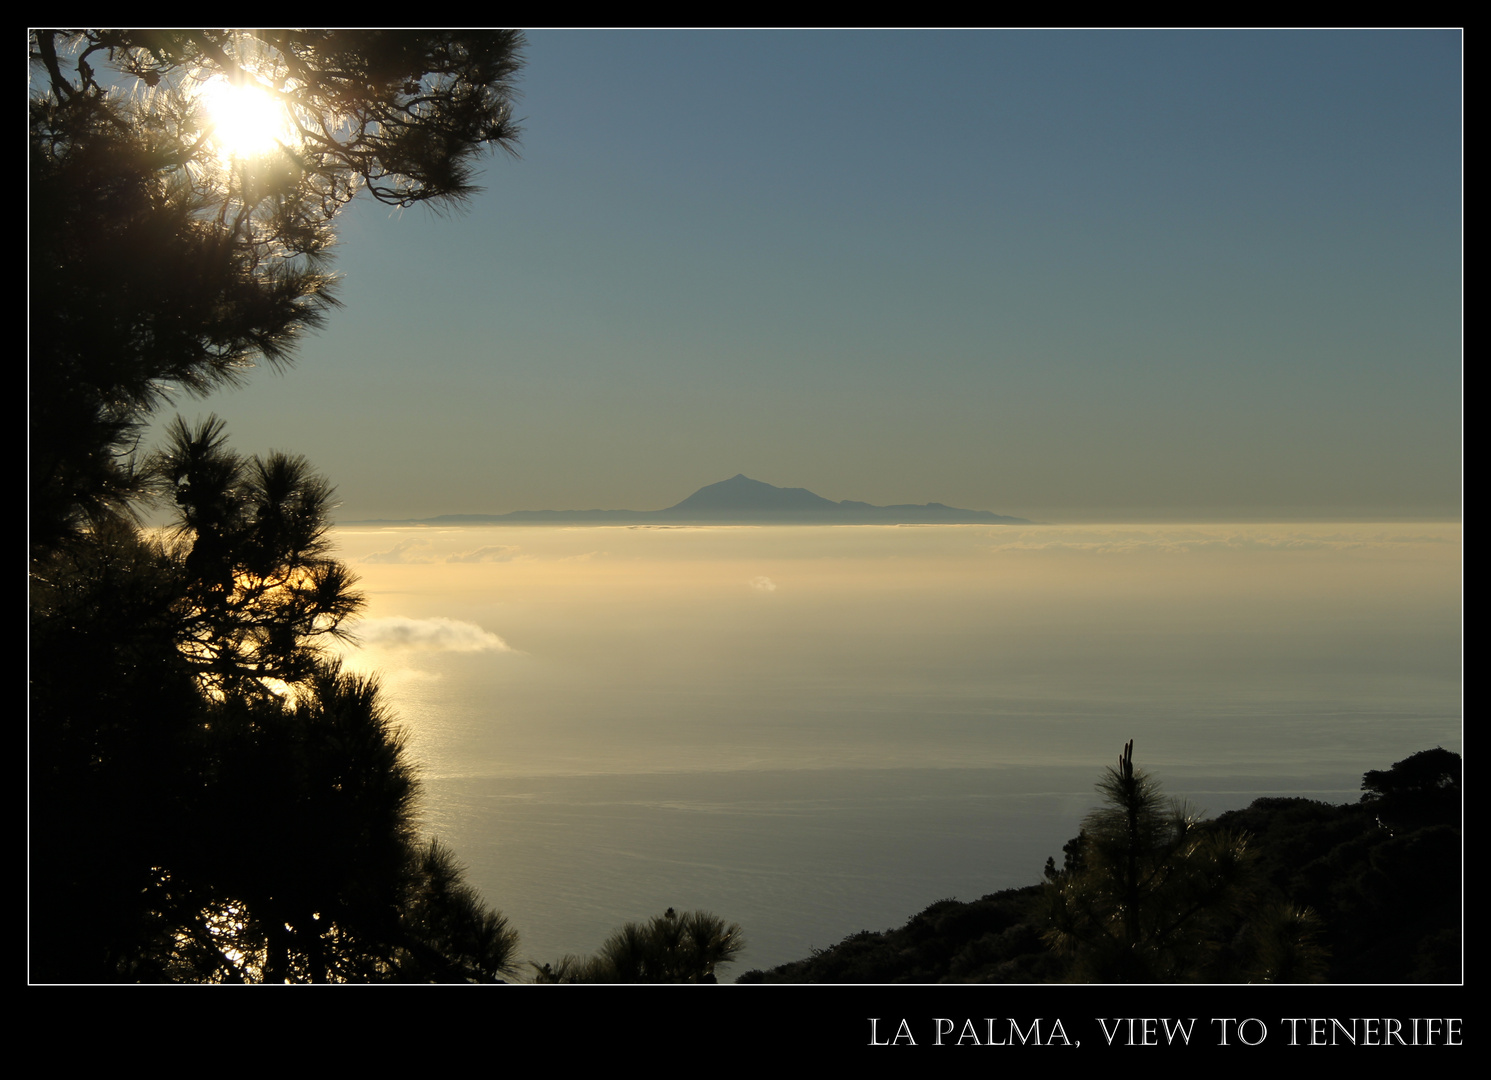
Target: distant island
{"x":742,"y":501}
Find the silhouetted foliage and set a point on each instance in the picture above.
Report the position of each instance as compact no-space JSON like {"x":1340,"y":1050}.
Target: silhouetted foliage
{"x":670,"y":948}
{"x":1144,"y":904}
{"x":212,"y":797}
{"x":159,"y":265}
{"x":1420,"y":790}
{"x":452,"y":935}
{"x":1320,"y":893}
{"x":1385,"y":876}
{"x":993,"y":939}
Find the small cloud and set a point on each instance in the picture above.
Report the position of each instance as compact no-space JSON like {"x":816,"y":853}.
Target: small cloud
{"x":446,"y":635}
{"x":763,"y":584}
{"x":494,"y":553}
{"x":405,"y":551}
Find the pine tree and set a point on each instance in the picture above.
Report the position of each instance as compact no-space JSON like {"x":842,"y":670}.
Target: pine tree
{"x":669,"y":948}
{"x":163,"y":261}
{"x":1148,"y":887}
{"x":212,"y":797}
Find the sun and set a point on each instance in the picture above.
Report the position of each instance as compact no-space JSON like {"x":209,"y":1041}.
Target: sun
{"x":247,"y":120}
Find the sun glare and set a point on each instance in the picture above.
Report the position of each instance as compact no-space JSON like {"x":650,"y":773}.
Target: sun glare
{"x":247,"y":120}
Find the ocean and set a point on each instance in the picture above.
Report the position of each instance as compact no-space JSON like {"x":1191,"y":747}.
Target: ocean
{"x":812,"y":731}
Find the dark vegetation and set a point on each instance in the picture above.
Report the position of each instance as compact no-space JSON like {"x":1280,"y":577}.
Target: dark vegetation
{"x":670,"y":948}
{"x":1286,"y":890}
{"x":212,"y":798}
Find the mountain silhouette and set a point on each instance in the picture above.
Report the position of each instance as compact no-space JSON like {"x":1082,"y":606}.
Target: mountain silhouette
{"x":743,"y":501}
{"x":741,"y":493}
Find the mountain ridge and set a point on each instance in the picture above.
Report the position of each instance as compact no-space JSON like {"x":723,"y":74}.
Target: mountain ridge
{"x":741,"y":500}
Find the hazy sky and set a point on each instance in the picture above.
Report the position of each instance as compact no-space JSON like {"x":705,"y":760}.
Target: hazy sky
{"x":1059,"y":275}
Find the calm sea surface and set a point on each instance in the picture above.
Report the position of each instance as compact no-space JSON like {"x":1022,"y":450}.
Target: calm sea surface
{"x":813,"y":731}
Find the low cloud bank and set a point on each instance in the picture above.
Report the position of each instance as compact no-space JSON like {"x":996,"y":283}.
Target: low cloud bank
{"x":405,"y":551}
{"x":1186,"y":541}
{"x":448,"y":635}
{"x":491,"y":553}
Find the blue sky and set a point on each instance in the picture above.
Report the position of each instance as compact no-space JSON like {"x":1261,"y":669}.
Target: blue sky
{"x":1063,"y":275}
